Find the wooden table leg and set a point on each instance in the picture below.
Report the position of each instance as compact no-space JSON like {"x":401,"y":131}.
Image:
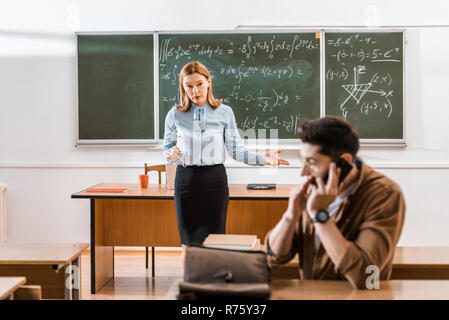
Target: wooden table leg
{"x":73,"y":284}
{"x":69,"y":282}
{"x":101,"y":257}
{"x":152,"y":262}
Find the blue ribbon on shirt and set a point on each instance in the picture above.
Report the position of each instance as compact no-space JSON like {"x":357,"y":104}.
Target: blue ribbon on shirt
{"x":198,"y":115}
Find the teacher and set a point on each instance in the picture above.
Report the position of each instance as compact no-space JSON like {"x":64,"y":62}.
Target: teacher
{"x":197,"y":133}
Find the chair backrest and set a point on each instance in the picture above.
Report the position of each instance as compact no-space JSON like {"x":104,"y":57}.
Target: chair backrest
{"x":159,"y":169}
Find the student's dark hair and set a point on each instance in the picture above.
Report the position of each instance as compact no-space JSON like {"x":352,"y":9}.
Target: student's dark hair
{"x":333,"y":135}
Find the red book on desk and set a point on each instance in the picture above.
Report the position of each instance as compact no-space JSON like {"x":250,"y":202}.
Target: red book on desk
{"x":107,"y":189}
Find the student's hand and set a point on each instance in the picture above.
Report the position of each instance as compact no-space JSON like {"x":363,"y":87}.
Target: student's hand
{"x":323,"y":195}
{"x":297,"y":201}
{"x":272,"y":158}
{"x":173,"y":153}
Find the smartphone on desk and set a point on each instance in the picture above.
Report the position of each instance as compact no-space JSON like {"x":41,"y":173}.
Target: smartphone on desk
{"x":345,"y":167}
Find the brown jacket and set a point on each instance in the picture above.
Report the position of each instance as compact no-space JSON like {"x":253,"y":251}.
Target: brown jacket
{"x":371,"y":219}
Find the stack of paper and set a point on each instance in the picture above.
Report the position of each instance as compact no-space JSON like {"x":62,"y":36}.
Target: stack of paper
{"x":232,"y":241}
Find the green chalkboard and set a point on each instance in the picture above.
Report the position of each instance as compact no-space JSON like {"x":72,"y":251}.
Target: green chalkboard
{"x":270,"y":80}
{"x":115,"y":88}
{"x":364,"y":81}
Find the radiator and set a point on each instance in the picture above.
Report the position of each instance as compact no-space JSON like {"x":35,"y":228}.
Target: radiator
{"x":3,"y":188}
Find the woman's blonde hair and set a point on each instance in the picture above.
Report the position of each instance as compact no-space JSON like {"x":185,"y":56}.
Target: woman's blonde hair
{"x":188,"y":69}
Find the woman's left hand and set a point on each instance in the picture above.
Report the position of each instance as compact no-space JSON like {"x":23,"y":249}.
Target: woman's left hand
{"x":272,"y":158}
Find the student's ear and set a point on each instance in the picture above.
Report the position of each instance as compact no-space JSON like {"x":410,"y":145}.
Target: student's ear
{"x":347,"y":156}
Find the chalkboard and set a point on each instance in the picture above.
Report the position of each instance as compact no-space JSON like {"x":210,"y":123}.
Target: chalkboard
{"x":128,"y":82}
{"x":364,"y":81}
{"x":271,"y":80}
{"x":115,"y":88}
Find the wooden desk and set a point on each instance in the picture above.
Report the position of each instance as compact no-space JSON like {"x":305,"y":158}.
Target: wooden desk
{"x":8,"y":285}
{"x":45,"y":264}
{"x":342,"y":290}
{"x":147,"y":218}
{"x":421,"y":263}
{"x":412,"y":263}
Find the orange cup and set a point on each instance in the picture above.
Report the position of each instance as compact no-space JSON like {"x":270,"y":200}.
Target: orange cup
{"x":143,"y":179}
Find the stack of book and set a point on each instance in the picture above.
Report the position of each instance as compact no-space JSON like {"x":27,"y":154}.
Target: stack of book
{"x":232,"y":241}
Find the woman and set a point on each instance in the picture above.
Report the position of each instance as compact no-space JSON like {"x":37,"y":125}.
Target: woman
{"x":197,"y":132}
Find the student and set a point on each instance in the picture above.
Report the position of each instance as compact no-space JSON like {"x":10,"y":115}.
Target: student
{"x":197,"y":133}
{"x":338,"y":231}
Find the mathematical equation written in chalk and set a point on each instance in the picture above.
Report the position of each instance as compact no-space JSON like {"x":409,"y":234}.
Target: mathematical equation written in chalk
{"x":242,"y":72}
{"x":269,"y":80}
{"x":264,"y":101}
{"x":247,"y":49}
{"x":290,"y":124}
{"x":359,"y":68}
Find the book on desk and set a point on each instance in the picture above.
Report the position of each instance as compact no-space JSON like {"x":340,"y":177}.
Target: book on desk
{"x":232,"y":242}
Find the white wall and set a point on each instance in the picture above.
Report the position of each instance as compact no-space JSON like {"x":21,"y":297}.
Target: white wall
{"x":42,"y":166}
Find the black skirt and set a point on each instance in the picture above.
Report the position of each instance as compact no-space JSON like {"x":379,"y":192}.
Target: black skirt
{"x":201,"y":201}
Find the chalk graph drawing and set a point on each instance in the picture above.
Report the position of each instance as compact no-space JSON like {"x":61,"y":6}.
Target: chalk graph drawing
{"x":357,"y":90}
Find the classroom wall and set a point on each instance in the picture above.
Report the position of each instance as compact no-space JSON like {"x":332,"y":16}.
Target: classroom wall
{"x":42,"y":166}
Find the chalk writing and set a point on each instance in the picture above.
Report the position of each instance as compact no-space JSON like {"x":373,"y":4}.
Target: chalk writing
{"x":271,"y":81}
{"x":361,"y":76}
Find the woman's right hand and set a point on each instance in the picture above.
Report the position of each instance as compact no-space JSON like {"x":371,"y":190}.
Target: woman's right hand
{"x":173,"y":153}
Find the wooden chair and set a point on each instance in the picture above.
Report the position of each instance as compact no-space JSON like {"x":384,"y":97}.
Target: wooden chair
{"x":159,"y":169}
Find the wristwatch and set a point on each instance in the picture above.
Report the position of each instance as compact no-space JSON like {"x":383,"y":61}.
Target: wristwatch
{"x":321,"y":216}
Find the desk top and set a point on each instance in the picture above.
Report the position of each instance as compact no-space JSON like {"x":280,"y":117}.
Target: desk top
{"x":422,"y":256}
{"x":411,"y":256}
{"x":342,"y":290}
{"x":10,"y":284}
{"x":160,"y":191}
{"x":40,"y":253}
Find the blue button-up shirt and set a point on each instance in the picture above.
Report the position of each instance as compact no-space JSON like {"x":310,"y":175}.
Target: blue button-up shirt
{"x":203,"y":134}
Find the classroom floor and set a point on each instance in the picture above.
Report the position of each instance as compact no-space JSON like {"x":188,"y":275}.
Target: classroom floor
{"x":132,"y":281}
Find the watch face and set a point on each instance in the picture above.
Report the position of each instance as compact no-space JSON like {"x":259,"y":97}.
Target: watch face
{"x":322,"y":216}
